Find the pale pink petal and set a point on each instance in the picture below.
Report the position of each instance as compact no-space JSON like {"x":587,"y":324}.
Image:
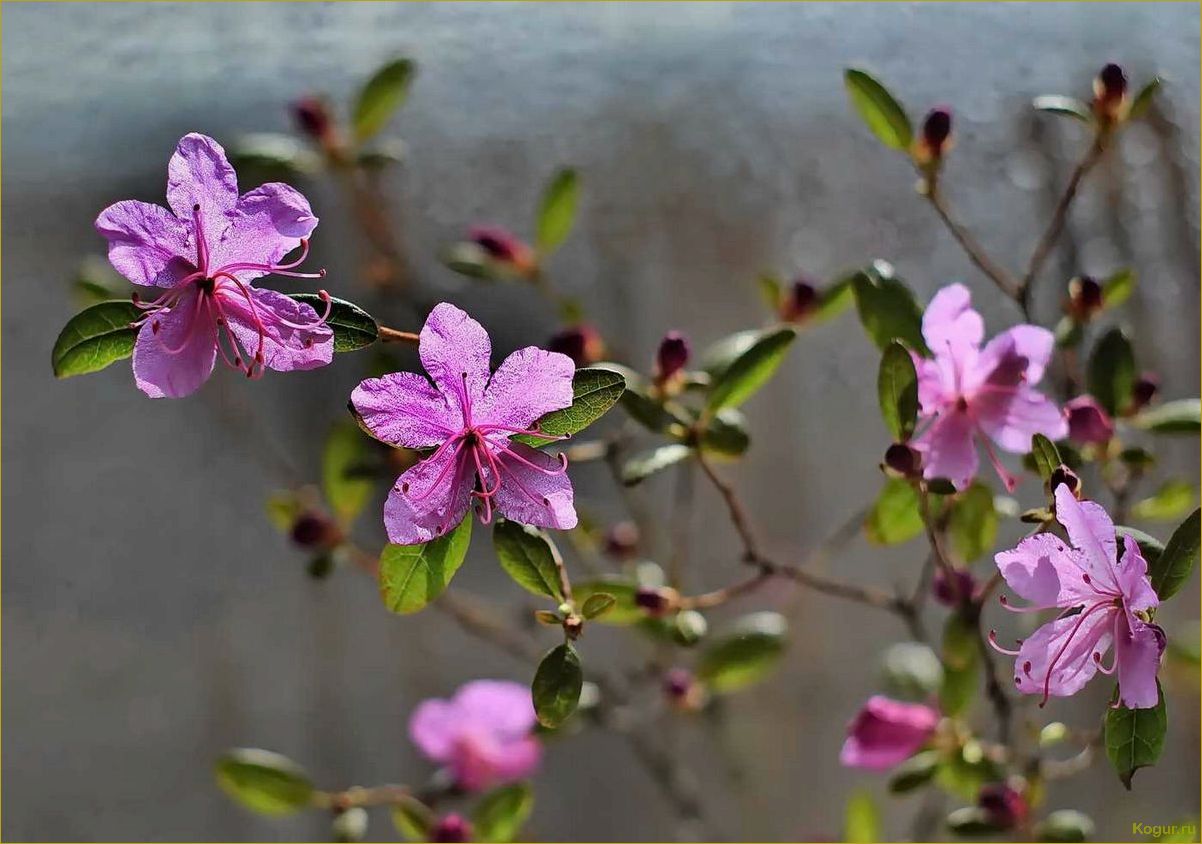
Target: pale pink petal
{"x":541,"y":497}
{"x":174,"y":361}
{"x":1138,"y":594}
{"x":936,"y":383}
{"x":404,"y":409}
{"x":502,"y":707}
{"x":527,"y":385}
{"x":1091,"y":530}
{"x":1045,"y":571}
{"x":275,"y":316}
{"x":434,"y":727}
{"x":200,"y":174}
{"x":428,"y":500}
{"x":886,"y":732}
{"x":1137,"y":650}
{"x":1023,"y":349}
{"x":266,"y":224}
{"x":1066,"y":647}
{"x":948,"y":450}
{"x":1011,"y":416}
{"x":455,"y":350}
{"x":147,"y":244}
{"x":517,"y":759}
{"x":949,"y":320}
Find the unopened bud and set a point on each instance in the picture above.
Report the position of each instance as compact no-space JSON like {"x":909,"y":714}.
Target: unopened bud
{"x":582,"y":343}
{"x":312,"y":117}
{"x":1005,"y":806}
{"x":903,"y":461}
{"x":572,"y":626}
{"x":451,"y":829}
{"x":682,"y":689}
{"x":1064,"y":475}
{"x":1084,"y":298}
{"x":313,"y":530}
{"x":800,"y":301}
{"x":1088,"y":422}
{"x":1143,"y":391}
{"x":350,"y":824}
{"x":672,"y":356}
{"x":501,"y":245}
{"x":937,"y":130}
{"x":953,"y":589}
{"x":1110,"y":92}
{"x":622,"y":540}
{"x":656,"y":601}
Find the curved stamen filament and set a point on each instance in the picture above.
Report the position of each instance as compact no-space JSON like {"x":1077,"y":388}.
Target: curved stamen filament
{"x":202,"y":248}
{"x":278,"y":269}
{"x":1047,"y":680}
{"x":317,"y":323}
{"x":193,"y":321}
{"x":1097,"y":658}
{"x":993,"y":641}
{"x":254,"y":312}
{"x":563,"y":462}
{"x":1008,"y":480}
{"x":1005,"y":602}
{"x":451,"y":463}
{"x":509,"y":429}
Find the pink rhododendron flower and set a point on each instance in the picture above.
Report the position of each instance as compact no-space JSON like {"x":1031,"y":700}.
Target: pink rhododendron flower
{"x":886,"y":732}
{"x":972,"y":393}
{"x":470,"y":418}
{"x":482,"y":734}
{"x":1088,"y":422}
{"x":1107,"y":601}
{"x":205,"y":252}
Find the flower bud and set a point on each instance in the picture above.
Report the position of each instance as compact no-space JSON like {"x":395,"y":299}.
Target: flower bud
{"x":1084,"y":298}
{"x":312,"y":117}
{"x":656,"y":601}
{"x":672,"y":356}
{"x":800,"y":301}
{"x":937,"y":130}
{"x":886,"y":732}
{"x":451,"y":829}
{"x":572,"y":626}
{"x":1109,"y":89}
{"x":954,"y":589}
{"x":1005,"y":806}
{"x":1064,"y":475}
{"x":1088,"y":422}
{"x":903,"y":460}
{"x":622,"y":540}
{"x":503,"y":246}
{"x":582,"y":343}
{"x":1143,"y":391}
{"x":682,"y":689}
{"x":350,"y":824}
{"x":314,"y":530}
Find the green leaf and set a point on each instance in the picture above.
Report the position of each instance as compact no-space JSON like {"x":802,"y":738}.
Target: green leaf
{"x":1046,"y":455}
{"x":1143,"y":100}
{"x":381,"y":96}
{"x":1183,"y":416}
{"x":346,"y":488}
{"x":1067,"y":106}
{"x":895,"y":516}
{"x":771,"y":290}
{"x":595,"y":390}
{"x":1149,"y":546}
{"x":383,"y":153}
{"x":558,"y":210}
{"x":647,"y":463}
{"x":263,"y":781}
{"x":833,"y":300}
{"x":597,"y":604}
{"x":887,"y":308}
{"x":897,"y":391}
{"x":911,"y":671}
{"x":283,"y":508}
{"x":413,"y":819}
{"x":1174,"y":567}
{"x":412,"y":576}
{"x":353,"y":327}
{"x":556,"y":686}
{"x":745,"y":654}
{"x":1118,"y":287}
{"x":726,"y":434}
{"x":718,"y":357}
{"x":1135,"y":737}
{"x":623,"y":611}
{"x":961,"y":662}
{"x":914,"y":773}
{"x":529,"y":557}
{"x":277,"y":156}
{"x":1168,"y":503}
{"x":971,"y":822}
{"x":95,"y":337}
{"x":500,"y":814}
{"x":878,"y":108}
{"x":861,"y":819}
{"x":1111,"y":372}
{"x":1065,"y":825}
{"x":963,"y":773}
{"x":751,"y":369}
{"x":973,"y":522}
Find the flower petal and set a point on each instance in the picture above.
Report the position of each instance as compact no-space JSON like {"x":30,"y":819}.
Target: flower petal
{"x":285,"y":347}
{"x":1138,"y":594}
{"x":200,"y":174}
{"x":402,"y":408}
{"x":174,"y":361}
{"x":886,"y":732}
{"x":434,"y":727}
{"x":1044,"y":570}
{"x":1091,"y":530}
{"x":455,"y":350}
{"x":534,"y":497}
{"x":266,"y":224}
{"x":1066,"y":646}
{"x":527,"y":385}
{"x":947,"y":449}
{"x":1011,"y":416}
{"x":428,"y":500}
{"x":1137,"y":650}
{"x":147,"y":244}
{"x":949,"y":320}
{"x":1029,"y":344}
{"x":515,"y":760}
{"x":502,"y":707}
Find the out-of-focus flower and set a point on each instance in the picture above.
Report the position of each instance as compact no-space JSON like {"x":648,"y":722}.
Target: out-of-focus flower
{"x":622,"y":540}
{"x":682,"y":689}
{"x":886,"y":732}
{"x":1005,"y":806}
{"x":954,"y":589}
{"x":312,"y":117}
{"x":1088,"y":421}
{"x":451,"y":829}
{"x":657,"y":601}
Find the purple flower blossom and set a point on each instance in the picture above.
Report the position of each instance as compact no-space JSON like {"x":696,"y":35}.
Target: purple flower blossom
{"x":1106,"y":600}
{"x":972,"y":393}
{"x":469,"y":418}
{"x":886,"y":732}
{"x":205,"y":255}
{"x":482,"y":734}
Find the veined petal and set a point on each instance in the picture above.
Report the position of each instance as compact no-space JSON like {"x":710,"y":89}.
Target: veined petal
{"x":949,"y":320}
{"x":948,"y":450}
{"x":1137,"y":650}
{"x":265,"y":225}
{"x":455,"y":350}
{"x":404,"y":409}
{"x":429,"y":499}
{"x":175,"y":360}
{"x":200,"y":174}
{"x":1025,"y":349}
{"x":1138,"y":594}
{"x":532,"y":497}
{"x":147,"y":244}
{"x":529,"y":383}
{"x":1090,"y":530}
{"x":1045,"y":571}
{"x":1065,"y":648}
{"x":1011,"y":416}
{"x":936,"y":383}
{"x":285,"y":347}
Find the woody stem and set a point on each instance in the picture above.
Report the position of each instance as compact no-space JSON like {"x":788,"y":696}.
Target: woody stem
{"x":392,"y":335}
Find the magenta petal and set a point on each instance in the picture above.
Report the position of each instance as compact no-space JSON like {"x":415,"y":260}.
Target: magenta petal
{"x":504,"y":706}
{"x":517,"y":760}
{"x":176,"y":360}
{"x":266,"y":224}
{"x":404,"y":409}
{"x":529,"y":383}
{"x":1067,"y":646}
{"x":886,"y":732}
{"x":1138,"y":594}
{"x":200,"y":174}
{"x":1089,"y":529}
{"x":285,"y":347}
{"x":950,"y":321}
{"x":1010,"y":417}
{"x":948,"y":450}
{"x":455,"y":350}
{"x":428,"y":500}
{"x":1137,"y":650}
{"x":1030,"y":343}
{"x":534,"y":497}
{"x":1045,"y":571}
{"x":147,"y":244}
{"x":433,"y":727}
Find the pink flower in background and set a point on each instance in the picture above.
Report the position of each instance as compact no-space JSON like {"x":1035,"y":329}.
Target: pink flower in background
{"x":470,"y":418}
{"x":482,"y":734}
{"x":1106,"y":601}
{"x":205,"y":255}
{"x":1087,"y":421}
{"x":886,"y":732}
{"x":972,"y":393}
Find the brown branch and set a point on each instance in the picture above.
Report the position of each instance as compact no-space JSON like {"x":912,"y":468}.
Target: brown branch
{"x":976,"y":253}
{"x":391,"y":335}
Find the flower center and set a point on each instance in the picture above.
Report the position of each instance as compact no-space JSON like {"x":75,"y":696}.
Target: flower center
{"x":207,"y":285}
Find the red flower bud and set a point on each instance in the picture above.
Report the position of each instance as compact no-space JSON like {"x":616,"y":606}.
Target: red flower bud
{"x":954,"y":589}
{"x":1088,"y":422}
{"x":314,"y":530}
{"x":501,"y":245}
{"x":673,"y":354}
{"x":937,"y":129}
{"x":1084,"y":298}
{"x":1110,"y":92}
{"x":1005,"y":806}
{"x":800,"y":301}
{"x":903,"y":460}
{"x":312,"y":117}
{"x":1144,"y":390}
{"x":451,"y":829}
{"x":656,"y":601}
{"x":1064,"y":475}
{"x":582,"y":343}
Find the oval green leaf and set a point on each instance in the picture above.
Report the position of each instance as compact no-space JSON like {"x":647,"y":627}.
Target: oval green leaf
{"x":1176,"y":563}
{"x":595,"y":390}
{"x":1118,"y":287}
{"x":381,"y":96}
{"x":879,"y":109}
{"x":500,"y":814}
{"x":647,"y":463}
{"x":95,"y":337}
{"x":887,"y":308}
{"x":263,"y":781}
{"x":353,"y":327}
{"x":894,"y":517}
{"x":1143,"y":100}
{"x":623,"y":611}
{"x":973,"y":522}
{"x":344,"y":459}
{"x":557,"y":212}
{"x":745,"y":654}
{"x":1135,"y":737}
{"x":556,"y":686}
{"x":597,"y":604}
{"x":529,"y":557}
{"x":751,"y":370}
{"x":1111,"y":371}
{"x":1170,"y":501}
{"x":1046,"y":456}
{"x":897,"y":391}
{"x":1183,"y":416}
{"x":411,"y":576}
{"x":1066,"y":106}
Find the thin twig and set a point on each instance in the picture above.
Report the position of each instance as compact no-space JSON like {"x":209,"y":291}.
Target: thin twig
{"x":391,"y":335}
{"x":976,"y":253}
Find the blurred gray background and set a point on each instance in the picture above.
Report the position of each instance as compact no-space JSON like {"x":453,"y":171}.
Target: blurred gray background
{"x":151,"y":615}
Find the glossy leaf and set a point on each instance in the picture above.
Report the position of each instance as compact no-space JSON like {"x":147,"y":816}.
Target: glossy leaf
{"x":751,"y":369}
{"x":973,"y":522}
{"x":1169,"y":502}
{"x":1183,"y":416}
{"x":1067,"y":106}
{"x":597,"y":605}
{"x":833,"y":300}
{"x":411,"y":576}
{"x":558,"y":210}
{"x":971,"y":822}
{"x":647,"y":463}
{"x":263,"y":781}
{"x":595,"y":390}
{"x":897,"y":391}
{"x":887,"y":308}
{"x":914,"y":773}
{"x":343,"y":457}
{"x":95,"y":337}
{"x":861,"y":819}
{"x":718,"y":357}
{"x":353,"y":327}
{"x":274,"y":155}
{"x":1134,"y":738}
{"x":1173,"y":568}
{"x":895,"y":516}
{"x":1111,"y":371}
{"x":745,"y":654}
{"x":381,"y":96}
{"x":1118,"y":287}
{"x":879,"y":109}
{"x":529,"y":557}
{"x":556,"y":686}
{"x":622,"y":611}
{"x":500,"y":814}
{"x":1046,"y":456}
{"x":726,"y":434}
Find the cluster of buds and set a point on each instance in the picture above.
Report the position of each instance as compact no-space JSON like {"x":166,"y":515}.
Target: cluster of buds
{"x":799,"y":301}
{"x":934,"y":140}
{"x":670,"y":361}
{"x":684,"y":691}
{"x":581,"y":342}
{"x":1084,"y":299}
{"x":1110,"y":101}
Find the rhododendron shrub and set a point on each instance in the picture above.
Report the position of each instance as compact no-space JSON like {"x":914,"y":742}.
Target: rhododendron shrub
{"x":458,"y":439}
